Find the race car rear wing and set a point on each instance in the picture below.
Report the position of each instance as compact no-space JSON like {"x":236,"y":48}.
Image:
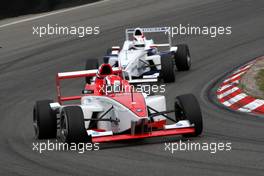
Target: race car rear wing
{"x":76,"y":74}
{"x":165,"y":30}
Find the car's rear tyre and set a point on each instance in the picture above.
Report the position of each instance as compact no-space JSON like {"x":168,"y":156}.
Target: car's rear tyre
{"x":167,"y":68}
{"x":182,"y":58}
{"x":72,"y":128}
{"x":44,"y":120}
{"x":90,"y":65}
{"x":190,"y":110}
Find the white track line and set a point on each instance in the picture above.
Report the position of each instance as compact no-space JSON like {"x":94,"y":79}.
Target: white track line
{"x":51,"y":13}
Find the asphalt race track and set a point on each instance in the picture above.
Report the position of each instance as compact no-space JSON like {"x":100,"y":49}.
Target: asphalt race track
{"x":28,"y":65}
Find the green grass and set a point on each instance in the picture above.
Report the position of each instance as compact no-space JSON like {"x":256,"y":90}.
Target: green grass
{"x":241,"y":86}
{"x":260,"y":80}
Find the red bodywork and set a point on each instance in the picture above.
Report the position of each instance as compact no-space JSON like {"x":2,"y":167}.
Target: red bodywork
{"x":158,"y":133}
{"x":81,"y":74}
{"x":134,"y":101}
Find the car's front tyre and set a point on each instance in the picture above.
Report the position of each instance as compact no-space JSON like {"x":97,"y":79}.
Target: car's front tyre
{"x":72,"y":128}
{"x":182,"y":57}
{"x":188,"y":108}
{"x":44,"y":120}
{"x":167,"y":68}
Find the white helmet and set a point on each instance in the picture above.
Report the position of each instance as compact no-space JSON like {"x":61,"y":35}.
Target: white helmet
{"x":139,"y":39}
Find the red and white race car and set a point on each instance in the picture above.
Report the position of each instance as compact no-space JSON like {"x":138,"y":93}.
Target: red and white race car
{"x":110,"y":110}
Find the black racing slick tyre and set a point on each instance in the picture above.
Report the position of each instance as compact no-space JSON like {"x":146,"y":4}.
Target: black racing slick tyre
{"x":182,"y":58}
{"x":191,"y":111}
{"x":90,"y":65}
{"x":72,"y":127}
{"x":44,"y":120}
{"x":167,"y":68}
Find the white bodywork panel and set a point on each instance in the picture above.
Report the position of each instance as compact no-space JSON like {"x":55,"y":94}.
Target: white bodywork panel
{"x":55,"y":105}
{"x":112,"y":60}
{"x":98,"y":134}
{"x":129,"y":60}
{"x":157,"y":102}
{"x":134,"y":62}
{"x":180,"y":124}
{"x":102,"y":104}
{"x":156,"y":59}
{"x":174,"y":48}
{"x":88,"y":107}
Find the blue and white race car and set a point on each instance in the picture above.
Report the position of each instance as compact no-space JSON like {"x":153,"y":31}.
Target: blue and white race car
{"x":142,"y":60}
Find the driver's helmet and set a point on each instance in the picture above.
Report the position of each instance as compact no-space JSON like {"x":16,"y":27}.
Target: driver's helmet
{"x":113,"y":84}
{"x":104,"y":70}
{"x":139,"y":39}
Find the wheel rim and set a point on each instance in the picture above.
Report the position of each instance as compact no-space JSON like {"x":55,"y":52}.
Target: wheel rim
{"x":35,"y":123}
{"x":63,"y":127}
{"x":189,"y":61}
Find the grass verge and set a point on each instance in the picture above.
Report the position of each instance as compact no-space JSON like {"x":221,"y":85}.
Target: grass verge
{"x":260,"y":80}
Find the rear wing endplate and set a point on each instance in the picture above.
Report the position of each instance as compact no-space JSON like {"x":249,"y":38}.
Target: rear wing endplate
{"x":76,"y":74}
{"x":165,"y":30}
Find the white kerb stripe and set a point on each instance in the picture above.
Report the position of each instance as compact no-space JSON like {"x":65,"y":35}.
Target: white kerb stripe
{"x":246,"y":67}
{"x":224,"y":87}
{"x":235,"y":82}
{"x":233,"y":77}
{"x":251,"y":106}
{"x":244,"y":110}
{"x":226,"y":103}
{"x":227,"y":92}
{"x":235,"y":99}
